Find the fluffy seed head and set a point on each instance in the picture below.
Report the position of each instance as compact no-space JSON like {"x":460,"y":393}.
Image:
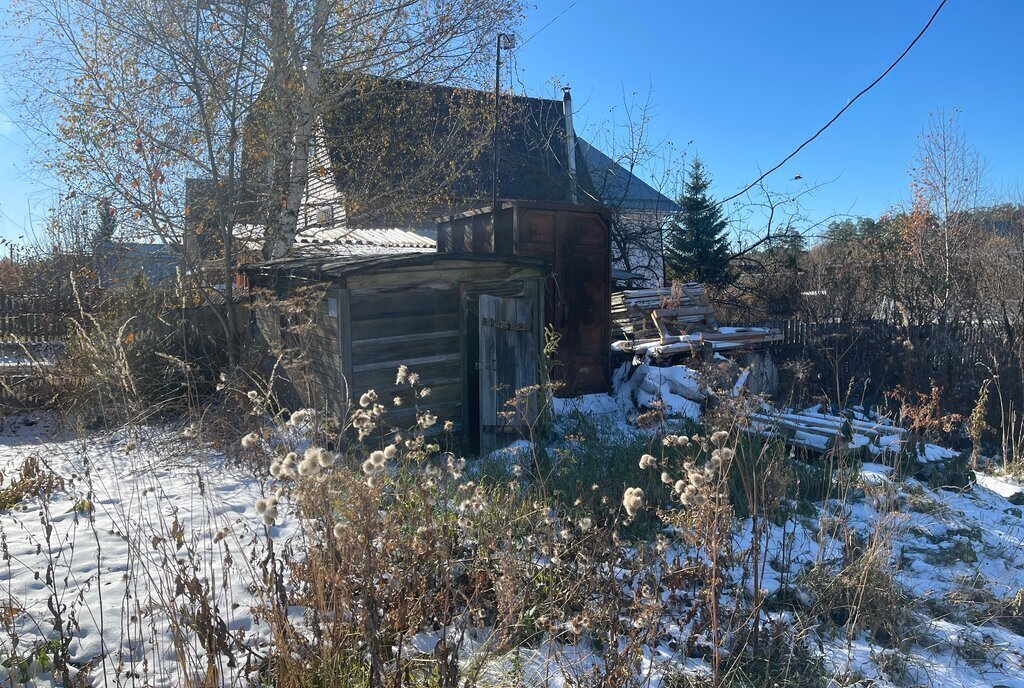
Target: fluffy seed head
{"x":308,"y":468}
{"x":647,"y":461}
{"x":250,"y":440}
{"x":633,"y":500}
{"x":719,"y":438}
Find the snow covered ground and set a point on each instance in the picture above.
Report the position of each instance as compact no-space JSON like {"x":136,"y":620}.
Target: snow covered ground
{"x":141,"y":517}
{"x":148,"y":520}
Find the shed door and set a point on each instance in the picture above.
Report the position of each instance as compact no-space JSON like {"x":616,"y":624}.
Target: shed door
{"x":508,"y":363}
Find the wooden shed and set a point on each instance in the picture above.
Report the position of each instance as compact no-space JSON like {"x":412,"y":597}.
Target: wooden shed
{"x":575,"y":241}
{"x":470,"y":325}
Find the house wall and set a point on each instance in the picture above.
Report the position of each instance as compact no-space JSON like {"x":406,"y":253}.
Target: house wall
{"x":321,"y":189}
{"x":637,"y":245}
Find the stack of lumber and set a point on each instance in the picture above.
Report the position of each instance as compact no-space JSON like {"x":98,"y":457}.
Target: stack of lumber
{"x":678,"y":321}
{"x":633,"y":310}
{"x":822,"y":431}
{"x":717,"y":340}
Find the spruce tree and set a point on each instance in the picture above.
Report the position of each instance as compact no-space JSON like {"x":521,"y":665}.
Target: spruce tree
{"x":697,"y":247}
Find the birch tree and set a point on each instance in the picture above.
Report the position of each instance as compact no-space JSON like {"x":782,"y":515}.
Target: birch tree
{"x":939,"y":229}
{"x":133,"y":98}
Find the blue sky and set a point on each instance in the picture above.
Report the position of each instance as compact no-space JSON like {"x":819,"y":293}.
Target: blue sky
{"x":748,"y":80}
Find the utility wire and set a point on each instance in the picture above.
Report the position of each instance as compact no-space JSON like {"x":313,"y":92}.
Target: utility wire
{"x":557,"y":17}
{"x":840,"y":113}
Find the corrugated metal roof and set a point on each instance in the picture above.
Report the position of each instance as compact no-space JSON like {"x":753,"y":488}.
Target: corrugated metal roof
{"x":342,"y":241}
{"x":393,"y":237}
{"x":337,"y":266}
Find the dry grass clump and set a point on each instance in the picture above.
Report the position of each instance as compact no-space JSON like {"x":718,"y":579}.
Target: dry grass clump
{"x":33,"y":479}
{"x":411,"y":570}
{"x":1009,"y":612}
{"x":861,"y":594}
{"x":139,"y":355}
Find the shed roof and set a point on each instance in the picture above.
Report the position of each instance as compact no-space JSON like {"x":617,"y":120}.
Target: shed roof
{"x":321,"y":267}
{"x":392,"y":237}
{"x":341,"y":241}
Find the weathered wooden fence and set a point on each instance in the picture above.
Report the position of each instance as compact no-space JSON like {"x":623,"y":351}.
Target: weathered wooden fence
{"x":862,"y":360}
{"x":34,"y":318}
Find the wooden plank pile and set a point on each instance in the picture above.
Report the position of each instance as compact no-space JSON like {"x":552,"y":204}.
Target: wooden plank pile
{"x":678,"y":321}
{"x":823,"y":432}
{"x":724,"y":340}
{"x":632,"y":310}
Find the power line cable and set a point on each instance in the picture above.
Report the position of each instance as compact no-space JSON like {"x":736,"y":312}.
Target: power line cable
{"x":557,"y":16}
{"x":840,"y":113}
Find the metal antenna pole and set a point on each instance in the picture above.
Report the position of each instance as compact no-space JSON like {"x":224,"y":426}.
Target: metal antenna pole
{"x":509,"y":43}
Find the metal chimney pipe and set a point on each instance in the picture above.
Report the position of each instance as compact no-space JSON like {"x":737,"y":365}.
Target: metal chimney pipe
{"x":570,"y":143}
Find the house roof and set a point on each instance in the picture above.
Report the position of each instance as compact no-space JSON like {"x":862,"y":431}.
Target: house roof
{"x":320,"y":267}
{"x":619,"y":188}
{"x":389,"y":139}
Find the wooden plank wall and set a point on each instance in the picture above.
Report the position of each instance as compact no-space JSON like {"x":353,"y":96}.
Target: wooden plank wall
{"x":418,"y":326}
{"x":369,"y":324}
{"x":327,"y":381}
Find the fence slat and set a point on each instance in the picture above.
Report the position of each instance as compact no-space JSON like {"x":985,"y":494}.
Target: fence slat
{"x":875,"y":356}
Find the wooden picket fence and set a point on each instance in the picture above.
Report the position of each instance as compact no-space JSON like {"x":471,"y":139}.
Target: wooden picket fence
{"x":34,"y":318}
{"x":862,"y":360}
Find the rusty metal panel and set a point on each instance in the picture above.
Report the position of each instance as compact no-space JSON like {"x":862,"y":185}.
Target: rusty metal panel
{"x":575,"y":242}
